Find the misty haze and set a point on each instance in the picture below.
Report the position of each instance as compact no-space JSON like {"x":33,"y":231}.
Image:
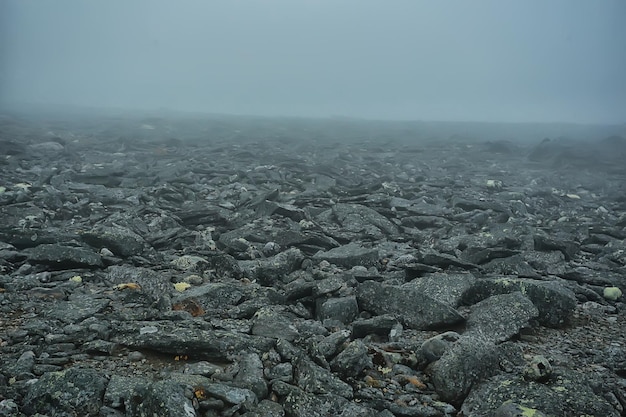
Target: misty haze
{"x":312,"y":208}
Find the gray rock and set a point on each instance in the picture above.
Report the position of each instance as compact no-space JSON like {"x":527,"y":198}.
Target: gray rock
{"x":328,"y":285}
{"x":343,"y":309}
{"x":266,"y":408}
{"x":567,"y":247}
{"x":413,"y":309}
{"x":447,"y":288}
{"x":470,"y":360}
{"x":379,"y":325}
{"x":63,"y":257}
{"x":72,"y":391}
{"x":362,"y":220}
{"x":299,"y":403}
{"x":121,"y":241}
{"x":274,"y":321}
{"x":567,"y":393}
{"x":162,"y":398}
{"x":272,"y":270}
{"x":250,"y":375}
{"x":500,"y":317}
{"x":314,"y":379}
{"x":78,"y":308}
{"x":232,"y":395}
{"x":555,"y":302}
{"x":214,"y":298}
{"x":156,"y":286}
{"x":349,"y":255}
{"x":443,"y":260}
{"x":435,"y":347}
{"x":120,"y":388}
{"x":511,"y":409}
{"x":281,"y":372}
{"x":353,"y":360}
{"x":179,"y":338}
{"x":329,"y":346}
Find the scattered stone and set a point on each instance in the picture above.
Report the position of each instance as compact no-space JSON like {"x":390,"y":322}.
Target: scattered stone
{"x":414,"y":309}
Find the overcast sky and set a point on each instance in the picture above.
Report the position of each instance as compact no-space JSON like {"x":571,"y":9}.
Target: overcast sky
{"x":526,"y":60}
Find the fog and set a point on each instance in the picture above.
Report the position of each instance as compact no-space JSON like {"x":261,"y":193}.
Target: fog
{"x":501,"y":61}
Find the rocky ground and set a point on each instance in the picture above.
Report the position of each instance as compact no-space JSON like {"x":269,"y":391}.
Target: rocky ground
{"x":258,"y":267}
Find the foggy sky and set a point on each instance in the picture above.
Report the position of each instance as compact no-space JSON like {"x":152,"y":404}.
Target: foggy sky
{"x":530,"y":60}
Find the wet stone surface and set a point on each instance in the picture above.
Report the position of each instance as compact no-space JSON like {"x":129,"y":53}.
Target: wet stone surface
{"x":263,"y":267}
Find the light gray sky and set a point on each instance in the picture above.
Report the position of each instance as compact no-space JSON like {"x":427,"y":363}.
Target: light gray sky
{"x":479,"y":60}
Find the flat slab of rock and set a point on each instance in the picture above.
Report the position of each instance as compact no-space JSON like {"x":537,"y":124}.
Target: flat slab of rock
{"x":64,"y":257}
{"x":567,"y":393}
{"x":413,"y":308}
{"x":555,"y":303}
{"x":168,"y":337}
{"x":500,"y":317}
{"x":349,"y":255}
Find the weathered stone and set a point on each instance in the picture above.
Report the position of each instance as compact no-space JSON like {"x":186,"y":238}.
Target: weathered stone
{"x":447,"y":288}
{"x":500,"y":317}
{"x":566,"y":393}
{"x":274,"y":322}
{"x":349,"y":255}
{"x":64,"y":257}
{"x":343,"y":309}
{"x":121,"y":241}
{"x":71,"y":391}
{"x":414,"y":309}
{"x":554,"y":302}
{"x":379,"y":325}
{"x":314,"y":379}
{"x":435,"y":347}
{"x":179,"y":339}
{"x":469,"y":361}
{"x":352,"y":360}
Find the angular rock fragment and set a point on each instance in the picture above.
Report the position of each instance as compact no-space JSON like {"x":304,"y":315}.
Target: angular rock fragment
{"x":64,"y":257}
{"x":413,"y":308}
{"x":72,"y":391}
{"x":555,"y":302}
{"x":568,"y":392}
{"x":349,"y":255}
{"x":121,"y":241}
{"x":178,"y":339}
{"x":470,"y":360}
{"x":500,"y":317}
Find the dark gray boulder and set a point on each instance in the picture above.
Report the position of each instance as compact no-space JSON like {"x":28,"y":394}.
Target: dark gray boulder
{"x":349,"y":255}
{"x":470,"y":360}
{"x":73,"y":391}
{"x":63,"y":257}
{"x":566,"y":393}
{"x":554,"y":302}
{"x":500,"y":317}
{"x":413,"y":308}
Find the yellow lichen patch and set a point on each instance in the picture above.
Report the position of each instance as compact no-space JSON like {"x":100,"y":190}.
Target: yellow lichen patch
{"x":384,"y":370}
{"x":181,"y":286}
{"x":76,"y":278}
{"x":199,"y":393}
{"x":127,"y":286}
